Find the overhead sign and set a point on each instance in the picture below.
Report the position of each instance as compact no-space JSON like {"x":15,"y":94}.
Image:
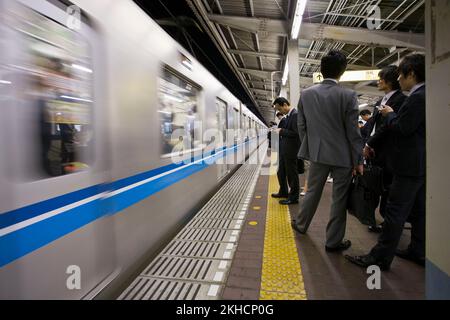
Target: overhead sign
{"x":352,"y":76}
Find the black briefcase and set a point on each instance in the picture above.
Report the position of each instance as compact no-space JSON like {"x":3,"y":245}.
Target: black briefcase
{"x":364,"y":195}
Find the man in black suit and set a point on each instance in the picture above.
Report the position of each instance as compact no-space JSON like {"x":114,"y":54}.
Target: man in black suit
{"x":379,"y":142}
{"x":281,"y":173}
{"x":289,"y":147}
{"x":365,"y":115}
{"x":269,"y":134}
{"x":407,"y":194}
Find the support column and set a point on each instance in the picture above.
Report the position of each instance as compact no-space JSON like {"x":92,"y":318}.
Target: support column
{"x":437,"y":25}
{"x":294,"y":72}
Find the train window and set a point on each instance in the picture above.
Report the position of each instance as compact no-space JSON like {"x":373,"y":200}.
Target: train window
{"x":222,"y":120}
{"x":178,"y":113}
{"x":56,"y":66}
{"x":237,"y":122}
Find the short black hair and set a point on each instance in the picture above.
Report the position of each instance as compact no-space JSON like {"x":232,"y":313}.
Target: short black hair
{"x":390,"y":75}
{"x":281,"y":101}
{"x":333,"y":65}
{"x":272,"y":123}
{"x":279,"y":114}
{"x":365,"y":112}
{"x":413,"y":63}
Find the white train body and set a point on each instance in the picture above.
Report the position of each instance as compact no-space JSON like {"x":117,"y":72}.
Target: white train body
{"x":107,"y":213}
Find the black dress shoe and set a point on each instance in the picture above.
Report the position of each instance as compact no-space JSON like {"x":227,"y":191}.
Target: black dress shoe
{"x":407,"y":255}
{"x":376,"y":229}
{"x":344,"y":245}
{"x":294,"y":226}
{"x":277,"y":195}
{"x":367,"y":261}
{"x":288,"y":202}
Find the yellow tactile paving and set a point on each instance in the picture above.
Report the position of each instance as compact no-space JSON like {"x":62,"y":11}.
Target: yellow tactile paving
{"x":281,"y":271}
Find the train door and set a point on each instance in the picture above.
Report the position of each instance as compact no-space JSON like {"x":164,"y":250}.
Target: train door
{"x":55,"y":222}
{"x":231,"y":139}
{"x":222,"y":114}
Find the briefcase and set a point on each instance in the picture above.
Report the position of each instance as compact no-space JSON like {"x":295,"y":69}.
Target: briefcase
{"x":364,"y":195}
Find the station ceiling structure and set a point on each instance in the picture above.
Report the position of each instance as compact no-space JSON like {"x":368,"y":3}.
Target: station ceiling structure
{"x":251,"y":40}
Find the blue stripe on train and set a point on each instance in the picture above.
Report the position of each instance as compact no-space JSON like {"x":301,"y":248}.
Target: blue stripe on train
{"x":26,"y":240}
{"x":21,"y":214}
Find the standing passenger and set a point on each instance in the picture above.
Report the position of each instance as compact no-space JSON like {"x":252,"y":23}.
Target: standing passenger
{"x":281,"y":172}
{"x":407,"y":193}
{"x":365,"y":115}
{"x":331,"y":141}
{"x":289,"y":146}
{"x":379,"y":143}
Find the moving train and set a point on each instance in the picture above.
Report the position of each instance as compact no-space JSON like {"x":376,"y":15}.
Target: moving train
{"x":96,"y":100}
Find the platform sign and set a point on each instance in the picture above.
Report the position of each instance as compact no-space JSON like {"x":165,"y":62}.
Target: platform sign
{"x":352,"y":76}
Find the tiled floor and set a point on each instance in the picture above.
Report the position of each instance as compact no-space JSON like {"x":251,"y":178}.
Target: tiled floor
{"x":326,"y":275}
{"x":244,"y":280}
{"x":331,"y":276}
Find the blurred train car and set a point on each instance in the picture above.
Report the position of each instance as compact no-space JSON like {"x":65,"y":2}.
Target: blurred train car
{"x":92,"y":115}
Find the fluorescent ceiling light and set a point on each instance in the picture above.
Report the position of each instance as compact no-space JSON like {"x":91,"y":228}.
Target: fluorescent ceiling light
{"x":81,"y":68}
{"x":76,"y":99}
{"x":363,"y":105}
{"x":286,"y":72}
{"x":187,"y":64}
{"x":298,"y":18}
{"x":5,"y":82}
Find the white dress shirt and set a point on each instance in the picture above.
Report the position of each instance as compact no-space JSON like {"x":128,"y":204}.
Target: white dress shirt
{"x":383,"y":102}
{"x":417,"y":86}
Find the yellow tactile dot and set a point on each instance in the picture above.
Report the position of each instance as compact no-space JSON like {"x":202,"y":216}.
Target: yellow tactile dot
{"x":258,"y":197}
{"x":256,"y":208}
{"x":253,"y":223}
{"x":281,"y":272}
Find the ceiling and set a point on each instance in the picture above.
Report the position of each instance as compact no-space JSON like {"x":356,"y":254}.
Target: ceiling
{"x":250,"y":38}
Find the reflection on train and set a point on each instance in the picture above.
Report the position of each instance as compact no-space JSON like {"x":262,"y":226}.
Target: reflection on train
{"x":89,"y":120}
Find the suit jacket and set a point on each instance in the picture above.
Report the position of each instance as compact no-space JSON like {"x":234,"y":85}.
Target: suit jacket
{"x":367,"y":130}
{"x":282,"y":123}
{"x":328,"y":125}
{"x":408,"y":157}
{"x":289,"y":137}
{"x":382,"y":140}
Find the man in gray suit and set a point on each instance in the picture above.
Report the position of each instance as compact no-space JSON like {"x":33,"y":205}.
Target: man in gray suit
{"x":332,"y":142}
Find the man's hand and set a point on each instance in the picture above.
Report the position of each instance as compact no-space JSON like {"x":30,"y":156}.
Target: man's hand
{"x":359,"y":169}
{"x":278,"y":130}
{"x":368,"y":152}
{"x":385,"y":110}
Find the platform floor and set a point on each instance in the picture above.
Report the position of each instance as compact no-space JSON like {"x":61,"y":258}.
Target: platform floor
{"x":240,"y":246}
{"x":323,"y":275}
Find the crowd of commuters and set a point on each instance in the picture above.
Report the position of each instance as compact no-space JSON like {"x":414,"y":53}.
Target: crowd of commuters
{"x":325,"y":131}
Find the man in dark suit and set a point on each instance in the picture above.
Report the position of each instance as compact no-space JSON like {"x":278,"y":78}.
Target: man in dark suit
{"x":379,"y":142}
{"x":272,"y":124}
{"x":365,"y":115}
{"x":289,"y":147}
{"x":281,"y":173}
{"x":407,"y":194}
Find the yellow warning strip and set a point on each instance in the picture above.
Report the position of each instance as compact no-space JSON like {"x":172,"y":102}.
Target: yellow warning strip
{"x":282,"y":277}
